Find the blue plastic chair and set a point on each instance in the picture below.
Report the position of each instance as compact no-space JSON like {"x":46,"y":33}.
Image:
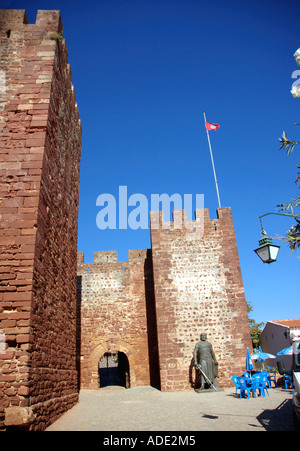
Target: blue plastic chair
{"x":252,"y":385}
{"x":265,"y":383}
{"x":260,"y":381}
{"x":244,"y":387}
{"x":288,"y":381}
{"x":272,"y":378}
{"x":265,"y":373}
{"x":262,"y":374}
{"x":235,"y":380}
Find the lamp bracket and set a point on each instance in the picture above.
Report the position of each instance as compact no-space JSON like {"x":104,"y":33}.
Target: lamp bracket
{"x":263,"y":232}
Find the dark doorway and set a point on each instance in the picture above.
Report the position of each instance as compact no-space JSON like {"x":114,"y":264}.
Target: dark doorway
{"x":114,"y":370}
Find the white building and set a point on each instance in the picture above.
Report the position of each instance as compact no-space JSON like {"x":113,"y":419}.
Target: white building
{"x":278,"y":335}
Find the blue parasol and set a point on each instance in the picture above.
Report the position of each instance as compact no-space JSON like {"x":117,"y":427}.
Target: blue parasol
{"x":286,"y":351}
{"x":249,"y":364}
{"x":261,"y":356}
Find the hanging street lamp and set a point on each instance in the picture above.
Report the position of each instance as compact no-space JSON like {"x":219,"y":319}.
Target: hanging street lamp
{"x":267,"y":251}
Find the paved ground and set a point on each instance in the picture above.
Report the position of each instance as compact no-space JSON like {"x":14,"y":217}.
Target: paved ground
{"x":147,"y":409}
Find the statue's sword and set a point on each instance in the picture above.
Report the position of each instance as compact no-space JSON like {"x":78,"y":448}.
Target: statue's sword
{"x":205,"y":377}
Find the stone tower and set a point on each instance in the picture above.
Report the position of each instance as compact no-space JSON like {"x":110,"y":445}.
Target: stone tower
{"x":198,"y":288}
{"x":40,"y":146}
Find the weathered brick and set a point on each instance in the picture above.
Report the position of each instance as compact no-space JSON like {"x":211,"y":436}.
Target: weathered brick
{"x":24,"y":338}
{"x":16,"y":296}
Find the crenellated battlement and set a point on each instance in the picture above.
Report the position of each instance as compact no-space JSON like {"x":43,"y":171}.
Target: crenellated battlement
{"x":202,"y":224}
{"x":16,"y":20}
{"x":12,"y":18}
{"x":180,"y":221}
{"x":108,"y":261}
{"x":195,"y":229}
{"x":29,"y":55}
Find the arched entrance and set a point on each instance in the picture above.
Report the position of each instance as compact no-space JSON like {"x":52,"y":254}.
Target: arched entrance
{"x":113,"y":368}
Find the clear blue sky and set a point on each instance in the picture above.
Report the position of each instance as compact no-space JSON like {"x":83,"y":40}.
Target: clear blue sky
{"x":143,"y":71}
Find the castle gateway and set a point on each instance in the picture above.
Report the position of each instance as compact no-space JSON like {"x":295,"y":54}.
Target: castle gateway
{"x":154,"y":307}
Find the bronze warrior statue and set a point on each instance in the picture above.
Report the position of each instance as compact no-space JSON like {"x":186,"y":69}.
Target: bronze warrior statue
{"x":205,"y":361}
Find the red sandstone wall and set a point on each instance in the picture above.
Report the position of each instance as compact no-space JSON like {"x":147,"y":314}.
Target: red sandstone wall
{"x":116,"y":310}
{"x":198,"y":288}
{"x":40,"y":145}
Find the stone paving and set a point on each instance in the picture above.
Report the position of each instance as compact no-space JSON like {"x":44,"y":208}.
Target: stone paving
{"x":148,"y":409}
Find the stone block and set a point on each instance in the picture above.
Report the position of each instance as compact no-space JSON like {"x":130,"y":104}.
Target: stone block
{"x":18,"y":416}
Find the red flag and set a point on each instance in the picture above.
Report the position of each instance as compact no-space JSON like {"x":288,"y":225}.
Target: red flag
{"x":210,"y":126}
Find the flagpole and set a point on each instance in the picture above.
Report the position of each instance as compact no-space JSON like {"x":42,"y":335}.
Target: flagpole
{"x":212,"y":161}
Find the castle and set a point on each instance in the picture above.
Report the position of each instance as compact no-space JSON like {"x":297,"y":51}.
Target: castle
{"x":64,"y":319}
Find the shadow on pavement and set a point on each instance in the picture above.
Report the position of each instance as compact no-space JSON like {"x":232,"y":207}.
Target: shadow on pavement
{"x":279,"y":419}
